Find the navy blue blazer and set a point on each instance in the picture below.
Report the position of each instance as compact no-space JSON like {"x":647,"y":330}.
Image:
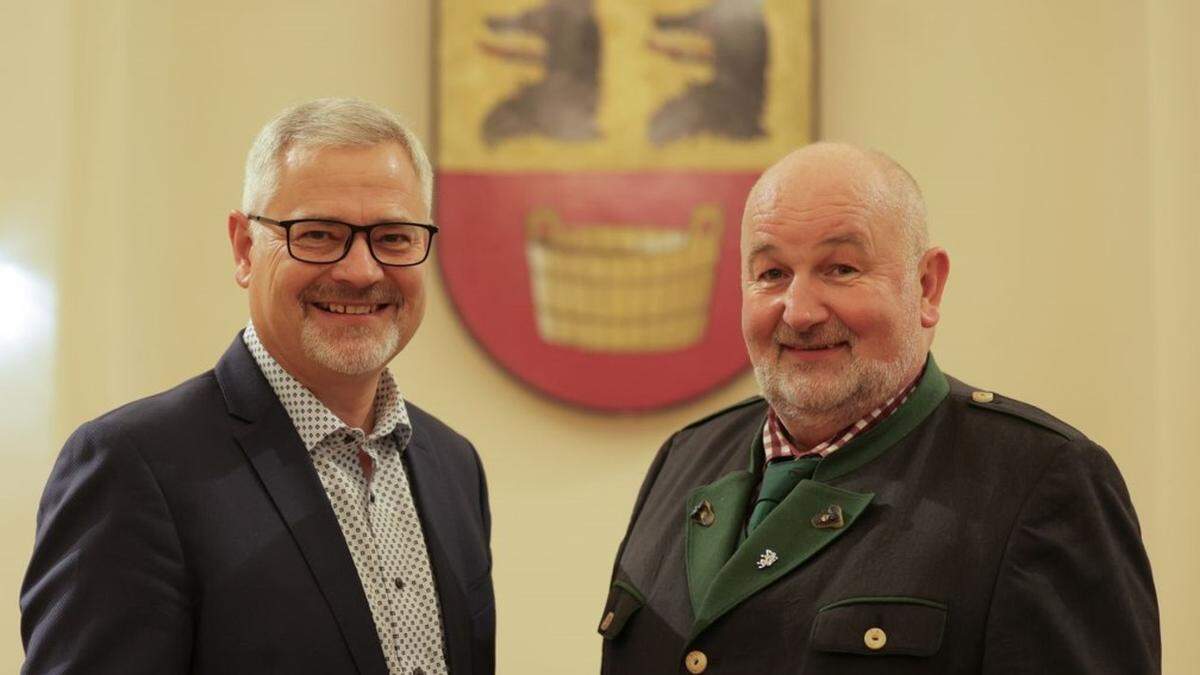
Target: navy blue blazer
{"x":189,"y":533}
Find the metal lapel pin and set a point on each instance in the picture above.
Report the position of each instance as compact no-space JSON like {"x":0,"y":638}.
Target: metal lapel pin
{"x":704,"y":514}
{"x":829,"y":519}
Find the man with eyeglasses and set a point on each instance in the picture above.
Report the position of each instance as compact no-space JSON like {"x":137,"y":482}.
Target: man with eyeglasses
{"x":288,"y":511}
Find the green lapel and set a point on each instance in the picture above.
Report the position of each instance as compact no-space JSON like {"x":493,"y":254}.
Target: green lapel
{"x":790,"y":534}
{"x":721,"y":574}
{"x":929,"y":393}
{"x":707,"y":548}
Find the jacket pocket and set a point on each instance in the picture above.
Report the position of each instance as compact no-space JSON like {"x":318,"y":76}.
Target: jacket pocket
{"x":880,"y":626}
{"x":623,"y":602}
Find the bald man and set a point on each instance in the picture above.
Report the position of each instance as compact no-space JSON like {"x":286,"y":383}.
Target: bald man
{"x":868,"y":513}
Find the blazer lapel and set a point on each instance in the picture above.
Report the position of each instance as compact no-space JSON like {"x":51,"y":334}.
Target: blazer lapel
{"x":424,"y":478}
{"x":273,"y":448}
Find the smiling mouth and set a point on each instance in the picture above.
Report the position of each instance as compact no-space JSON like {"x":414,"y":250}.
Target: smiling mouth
{"x":336,"y":308}
{"x":815,"y":348}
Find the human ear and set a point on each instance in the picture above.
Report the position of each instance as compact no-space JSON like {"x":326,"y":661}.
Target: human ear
{"x":241,"y":241}
{"x":933,"y":268}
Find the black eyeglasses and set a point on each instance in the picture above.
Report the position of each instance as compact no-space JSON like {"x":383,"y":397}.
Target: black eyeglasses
{"x":397,"y":244}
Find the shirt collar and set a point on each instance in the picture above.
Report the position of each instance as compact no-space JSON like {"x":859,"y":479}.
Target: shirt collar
{"x":313,"y":420}
{"x":779,"y":444}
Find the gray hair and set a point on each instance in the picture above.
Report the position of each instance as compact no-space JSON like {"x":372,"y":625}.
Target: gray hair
{"x":323,"y":123}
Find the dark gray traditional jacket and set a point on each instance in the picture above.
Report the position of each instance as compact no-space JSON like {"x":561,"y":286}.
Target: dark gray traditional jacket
{"x":967,"y":533}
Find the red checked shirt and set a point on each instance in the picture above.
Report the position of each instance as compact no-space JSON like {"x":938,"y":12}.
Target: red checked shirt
{"x":778,"y":444}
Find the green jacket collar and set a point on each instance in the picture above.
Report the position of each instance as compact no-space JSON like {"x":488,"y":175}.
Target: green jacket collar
{"x":930,"y":392}
{"x":721,"y":574}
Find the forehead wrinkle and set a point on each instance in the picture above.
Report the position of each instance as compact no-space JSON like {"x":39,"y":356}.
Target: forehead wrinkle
{"x":856,"y":239}
{"x":400,"y":215}
{"x":847,"y":220}
{"x":809,"y":215}
{"x":355,"y":181}
{"x":759,"y":249}
{"x":820,"y":184}
{"x":335,"y":219}
{"x":357,"y":209}
{"x":802,"y":201}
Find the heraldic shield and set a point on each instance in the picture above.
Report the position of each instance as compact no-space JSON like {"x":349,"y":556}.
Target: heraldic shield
{"x":593,"y":160}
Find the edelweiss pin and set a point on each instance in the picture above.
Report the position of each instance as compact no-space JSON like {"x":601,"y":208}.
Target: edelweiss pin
{"x":767,"y":559}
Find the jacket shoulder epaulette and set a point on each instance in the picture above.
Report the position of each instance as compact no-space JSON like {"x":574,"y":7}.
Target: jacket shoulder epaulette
{"x":985,"y":399}
{"x":727,"y":409}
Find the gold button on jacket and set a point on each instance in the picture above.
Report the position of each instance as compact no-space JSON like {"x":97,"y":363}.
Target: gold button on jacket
{"x":875,"y":638}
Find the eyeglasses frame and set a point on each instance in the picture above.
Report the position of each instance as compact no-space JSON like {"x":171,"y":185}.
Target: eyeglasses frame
{"x":354,"y":230}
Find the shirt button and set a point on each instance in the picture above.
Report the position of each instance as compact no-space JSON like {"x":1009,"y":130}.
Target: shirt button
{"x":696,"y":662}
{"x":399,"y":584}
{"x":372,"y":497}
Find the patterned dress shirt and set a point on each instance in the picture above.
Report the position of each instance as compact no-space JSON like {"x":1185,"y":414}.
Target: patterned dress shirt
{"x":364,"y":477}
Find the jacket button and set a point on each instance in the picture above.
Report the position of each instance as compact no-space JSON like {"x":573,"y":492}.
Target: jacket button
{"x":696,"y":662}
{"x":608,"y":619}
{"x":982,"y":396}
{"x":875,"y":639}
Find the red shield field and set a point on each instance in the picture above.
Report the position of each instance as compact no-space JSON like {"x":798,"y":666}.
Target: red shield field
{"x":646,"y":325}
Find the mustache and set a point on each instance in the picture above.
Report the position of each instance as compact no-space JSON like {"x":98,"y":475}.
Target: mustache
{"x":827,"y":333}
{"x":376,"y":294}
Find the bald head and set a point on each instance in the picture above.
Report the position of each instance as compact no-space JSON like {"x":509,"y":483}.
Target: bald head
{"x":841,"y":173}
{"x":840,"y":290}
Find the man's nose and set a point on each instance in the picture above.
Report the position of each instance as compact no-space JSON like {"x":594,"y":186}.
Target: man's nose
{"x":804,"y":306}
{"x":359,"y":268}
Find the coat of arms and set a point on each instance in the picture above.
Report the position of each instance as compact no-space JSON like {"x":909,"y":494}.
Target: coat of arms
{"x":593,"y":158}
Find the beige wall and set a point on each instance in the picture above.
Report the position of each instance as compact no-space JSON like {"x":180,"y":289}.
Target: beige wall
{"x":1056,"y":143}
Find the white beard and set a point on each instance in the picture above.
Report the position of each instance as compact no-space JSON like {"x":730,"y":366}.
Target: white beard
{"x":353,"y":351}
{"x":802,"y":397}
{"x":796,"y":396}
